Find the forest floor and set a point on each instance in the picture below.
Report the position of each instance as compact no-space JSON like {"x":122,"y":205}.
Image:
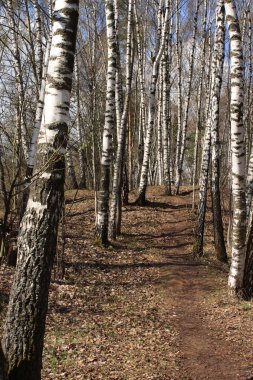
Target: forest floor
{"x":142,"y":309}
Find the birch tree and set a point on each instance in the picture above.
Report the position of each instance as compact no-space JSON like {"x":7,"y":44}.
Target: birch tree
{"x":199,"y":104}
{"x":165,"y":119}
{"x":179,"y":94}
{"x":38,"y":114}
{"x":118,"y":167}
{"x":235,"y":281}
{"x":212,"y":130}
{"x":22,"y":342}
{"x":151,"y":110}
{"x":215,"y":151}
{"x":182,"y":145}
{"x":102,"y":217}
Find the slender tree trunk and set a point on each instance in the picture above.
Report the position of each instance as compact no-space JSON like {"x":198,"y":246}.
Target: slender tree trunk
{"x":141,"y":69}
{"x":219,"y":54}
{"x":212,"y":116}
{"x":82,"y":176}
{"x":179,"y":95}
{"x":102,"y":216}
{"x":159,"y":126}
{"x":235,"y":280}
{"x":182,"y":145}
{"x":118,"y":167}
{"x":38,"y":113}
{"x":21,"y":126}
{"x":22,"y":342}
{"x":151,"y":111}
{"x":199,"y":105}
{"x":71,"y":169}
{"x":118,"y":80}
{"x":203,"y":183}
{"x":165,"y":120}
{"x":39,"y":49}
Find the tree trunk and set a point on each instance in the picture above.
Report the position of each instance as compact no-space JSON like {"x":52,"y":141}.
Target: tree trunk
{"x":102,"y":216}
{"x":235,"y":280}
{"x":215,"y":105}
{"x":151,"y":111}
{"x":118,"y":167}
{"x":22,"y":342}
{"x":82,"y":176}
{"x":179,"y":95}
{"x":199,"y":106}
{"x":182,"y":145}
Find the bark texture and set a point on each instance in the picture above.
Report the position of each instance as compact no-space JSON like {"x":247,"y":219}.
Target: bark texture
{"x":102,"y":217}
{"x":118,"y":167}
{"x":22,"y":342}
{"x":238,"y":151}
{"x":215,"y":152}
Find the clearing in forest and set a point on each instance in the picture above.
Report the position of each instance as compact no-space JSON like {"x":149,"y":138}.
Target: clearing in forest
{"x":142,"y":309}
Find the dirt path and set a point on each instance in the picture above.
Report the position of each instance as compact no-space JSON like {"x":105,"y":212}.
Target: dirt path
{"x":142,"y":309}
{"x":210,"y":343}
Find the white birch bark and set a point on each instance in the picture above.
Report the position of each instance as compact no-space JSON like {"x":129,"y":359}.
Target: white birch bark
{"x":206,"y":152}
{"x":82,"y":176}
{"x":247,"y":90}
{"x":247,"y":119}
{"x":199,"y":104}
{"x":159,"y":127}
{"x":39,"y":49}
{"x":182,"y":145}
{"x":151,"y":110}
{"x":238,"y":151}
{"x":38,"y":113}
{"x":141,"y":76}
{"x":215,"y":105}
{"x":102,"y":216}
{"x":118,"y":167}
{"x":165,"y":119}
{"x":118,"y":80}
{"x":179,"y":92}
{"x":22,"y":342}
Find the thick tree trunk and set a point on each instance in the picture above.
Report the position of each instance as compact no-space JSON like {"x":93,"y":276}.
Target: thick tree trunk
{"x":22,"y":342}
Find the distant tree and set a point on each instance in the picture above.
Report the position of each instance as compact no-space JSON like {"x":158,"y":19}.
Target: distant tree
{"x":161,"y":43}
